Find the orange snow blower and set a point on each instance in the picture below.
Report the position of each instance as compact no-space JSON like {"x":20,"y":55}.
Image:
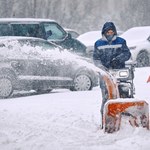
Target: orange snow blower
{"x":135,"y":111}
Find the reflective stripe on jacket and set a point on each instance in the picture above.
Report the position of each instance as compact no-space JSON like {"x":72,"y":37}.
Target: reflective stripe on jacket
{"x":105,"y":52}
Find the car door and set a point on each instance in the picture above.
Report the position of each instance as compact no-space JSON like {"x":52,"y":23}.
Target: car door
{"x":52,"y":63}
{"x":22,"y":63}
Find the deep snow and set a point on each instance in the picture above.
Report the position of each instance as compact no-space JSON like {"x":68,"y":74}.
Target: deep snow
{"x":64,"y":120}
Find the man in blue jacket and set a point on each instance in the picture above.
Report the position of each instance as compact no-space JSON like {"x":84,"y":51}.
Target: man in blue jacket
{"x":110,"y":51}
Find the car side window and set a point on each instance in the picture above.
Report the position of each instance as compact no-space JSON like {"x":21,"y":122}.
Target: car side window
{"x":54,"y":31}
{"x":30,"y":30}
{"x":5,"y":30}
{"x":19,"y":30}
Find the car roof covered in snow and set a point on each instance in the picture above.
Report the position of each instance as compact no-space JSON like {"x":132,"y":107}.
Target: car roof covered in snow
{"x":25,"y":20}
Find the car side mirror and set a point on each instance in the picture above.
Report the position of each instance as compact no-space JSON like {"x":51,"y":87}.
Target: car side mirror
{"x":69,"y":36}
{"x":48,"y":33}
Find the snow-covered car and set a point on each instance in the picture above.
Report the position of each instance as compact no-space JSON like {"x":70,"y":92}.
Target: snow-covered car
{"x":31,"y":63}
{"x":89,"y":39}
{"x":73,"y":32}
{"x":138,"y":41}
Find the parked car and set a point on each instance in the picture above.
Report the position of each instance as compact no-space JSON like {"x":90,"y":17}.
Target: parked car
{"x":89,"y":39}
{"x":73,"y":33}
{"x":138,"y":40}
{"x":32,"y":63}
{"x":41,"y":28}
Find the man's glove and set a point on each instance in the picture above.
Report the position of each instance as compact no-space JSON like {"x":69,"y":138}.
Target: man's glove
{"x":114,"y":63}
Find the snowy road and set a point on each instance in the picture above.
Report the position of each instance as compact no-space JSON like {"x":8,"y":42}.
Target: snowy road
{"x":64,"y":120}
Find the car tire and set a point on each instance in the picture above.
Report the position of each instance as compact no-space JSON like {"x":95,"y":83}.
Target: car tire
{"x":82,"y":82}
{"x":6,"y":87}
{"x":142,"y":59}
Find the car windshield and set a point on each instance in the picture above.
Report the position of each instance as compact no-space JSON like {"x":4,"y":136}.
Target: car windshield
{"x":54,"y":31}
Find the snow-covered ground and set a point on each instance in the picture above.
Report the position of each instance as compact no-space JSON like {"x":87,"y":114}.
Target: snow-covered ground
{"x":64,"y":120}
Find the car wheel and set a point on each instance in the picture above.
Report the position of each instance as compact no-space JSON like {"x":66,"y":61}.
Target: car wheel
{"x":6,"y":87}
{"x":82,"y":83}
{"x":142,"y":59}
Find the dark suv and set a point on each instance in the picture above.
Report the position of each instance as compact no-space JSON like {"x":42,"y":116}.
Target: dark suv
{"x":41,"y":28}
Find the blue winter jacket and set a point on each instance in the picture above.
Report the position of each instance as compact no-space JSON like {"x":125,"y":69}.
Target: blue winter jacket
{"x":105,"y":52}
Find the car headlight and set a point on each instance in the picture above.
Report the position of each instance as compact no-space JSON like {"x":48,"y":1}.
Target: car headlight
{"x":132,"y":47}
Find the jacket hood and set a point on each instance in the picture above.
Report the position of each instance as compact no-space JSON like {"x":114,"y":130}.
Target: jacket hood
{"x":109,"y":26}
